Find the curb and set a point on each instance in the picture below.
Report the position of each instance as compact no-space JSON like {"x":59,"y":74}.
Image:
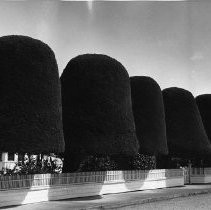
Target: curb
{"x":148,"y":200}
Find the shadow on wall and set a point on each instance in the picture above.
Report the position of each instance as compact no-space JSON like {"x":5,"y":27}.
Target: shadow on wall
{"x":17,"y":190}
{"x":85,"y":184}
{"x":23,"y":189}
{"x":106,"y":182}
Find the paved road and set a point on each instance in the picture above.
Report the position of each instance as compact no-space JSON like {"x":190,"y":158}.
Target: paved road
{"x":179,"y":198}
{"x":187,"y":203}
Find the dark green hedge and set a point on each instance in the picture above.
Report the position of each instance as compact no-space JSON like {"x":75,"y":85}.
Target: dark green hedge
{"x":143,"y":162}
{"x":30,"y":107}
{"x":149,"y":115}
{"x":97,"y":163}
{"x":185,"y":132}
{"x":97,"y":109}
{"x":109,"y":163}
{"x":204,"y":105}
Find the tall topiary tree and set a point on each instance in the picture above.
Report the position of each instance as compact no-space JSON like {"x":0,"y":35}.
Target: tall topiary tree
{"x":185,"y":131}
{"x":149,"y":115}
{"x":204,"y":105}
{"x":30,"y":108}
{"x":97,"y":109}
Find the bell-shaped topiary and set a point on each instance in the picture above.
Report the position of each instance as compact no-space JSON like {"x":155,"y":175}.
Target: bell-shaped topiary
{"x":149,"y":115}
{"x":204,"y":105}
{"x":97,"y":109}
{"x":186,"y":135}
{"x":30,"y":108}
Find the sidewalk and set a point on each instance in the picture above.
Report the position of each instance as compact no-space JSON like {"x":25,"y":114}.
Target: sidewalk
{"x":115,"y":201}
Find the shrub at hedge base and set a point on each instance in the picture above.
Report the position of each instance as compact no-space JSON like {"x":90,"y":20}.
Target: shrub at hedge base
{"x":185,"y":131}
{"x":30,"y":108}
{"x":97,"y":163}
{"x":97,"y":109}
{"x":149,"y":115}
{"x":109,"y":163}
{"x":171,"y":162}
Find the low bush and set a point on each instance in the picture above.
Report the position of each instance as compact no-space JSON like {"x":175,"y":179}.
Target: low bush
{"x":143,"y":162}
{"x":94,"y":163}
{"x":121,"y":162}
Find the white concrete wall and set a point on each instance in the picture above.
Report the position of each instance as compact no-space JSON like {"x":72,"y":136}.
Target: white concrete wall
{"x":201,"y":179}
{"x":73,"y":190}
{"x":25,"y":196}
{"x":200,"y":175}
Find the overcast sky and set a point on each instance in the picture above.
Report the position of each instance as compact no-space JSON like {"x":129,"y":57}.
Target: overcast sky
{"x":168,"y":41}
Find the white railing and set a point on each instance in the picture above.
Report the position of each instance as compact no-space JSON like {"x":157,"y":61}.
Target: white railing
{"x":39,"y":180}
{"x":207,"y":171}
{"x":200,"y":175}
{"x":200,"y":171}
{"x":16,"y":189}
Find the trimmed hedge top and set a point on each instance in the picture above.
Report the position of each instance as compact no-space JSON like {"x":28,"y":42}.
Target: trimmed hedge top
{"x":30,"y":108}
{"x":97,"y":109}
{"x":204,"y":105}
{"x":149,"y":115}
{"x":185,"y":132}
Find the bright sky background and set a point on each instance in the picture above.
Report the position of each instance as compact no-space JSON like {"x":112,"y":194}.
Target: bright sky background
{"x":168,"y":41}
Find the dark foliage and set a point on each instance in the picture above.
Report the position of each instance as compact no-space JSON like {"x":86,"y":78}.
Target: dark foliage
{"x":185,"y":132}
{"x":118,"y":162}
{"x":135,"y":162}
{"x":204,"y":105}
{"x":143,"y":162}
{"x":97,"y":110}
{"x":149,"y":115}
{"x":123,"y":162}
{"x":170,"y":162}
{"x":97,"y":163}
{"x":30,"y":108}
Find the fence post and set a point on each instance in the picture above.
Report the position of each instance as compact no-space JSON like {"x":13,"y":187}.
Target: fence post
{"x":189,"y":171}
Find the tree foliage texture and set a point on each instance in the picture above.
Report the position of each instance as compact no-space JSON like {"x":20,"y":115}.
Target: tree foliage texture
{"x":185,"y":131}
{"x":204,"y":105}
{"x":30,"y":108}
{"x":149,"y":115}
{"x":97,"y":109}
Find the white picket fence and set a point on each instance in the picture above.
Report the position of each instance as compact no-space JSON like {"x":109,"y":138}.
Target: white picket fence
{"x":200,"y":175}
{"x":22,"y":189}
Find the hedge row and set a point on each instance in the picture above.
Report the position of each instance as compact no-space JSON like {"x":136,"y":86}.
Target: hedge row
{"x":185,"y":131}
{"x":104,"y":112}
